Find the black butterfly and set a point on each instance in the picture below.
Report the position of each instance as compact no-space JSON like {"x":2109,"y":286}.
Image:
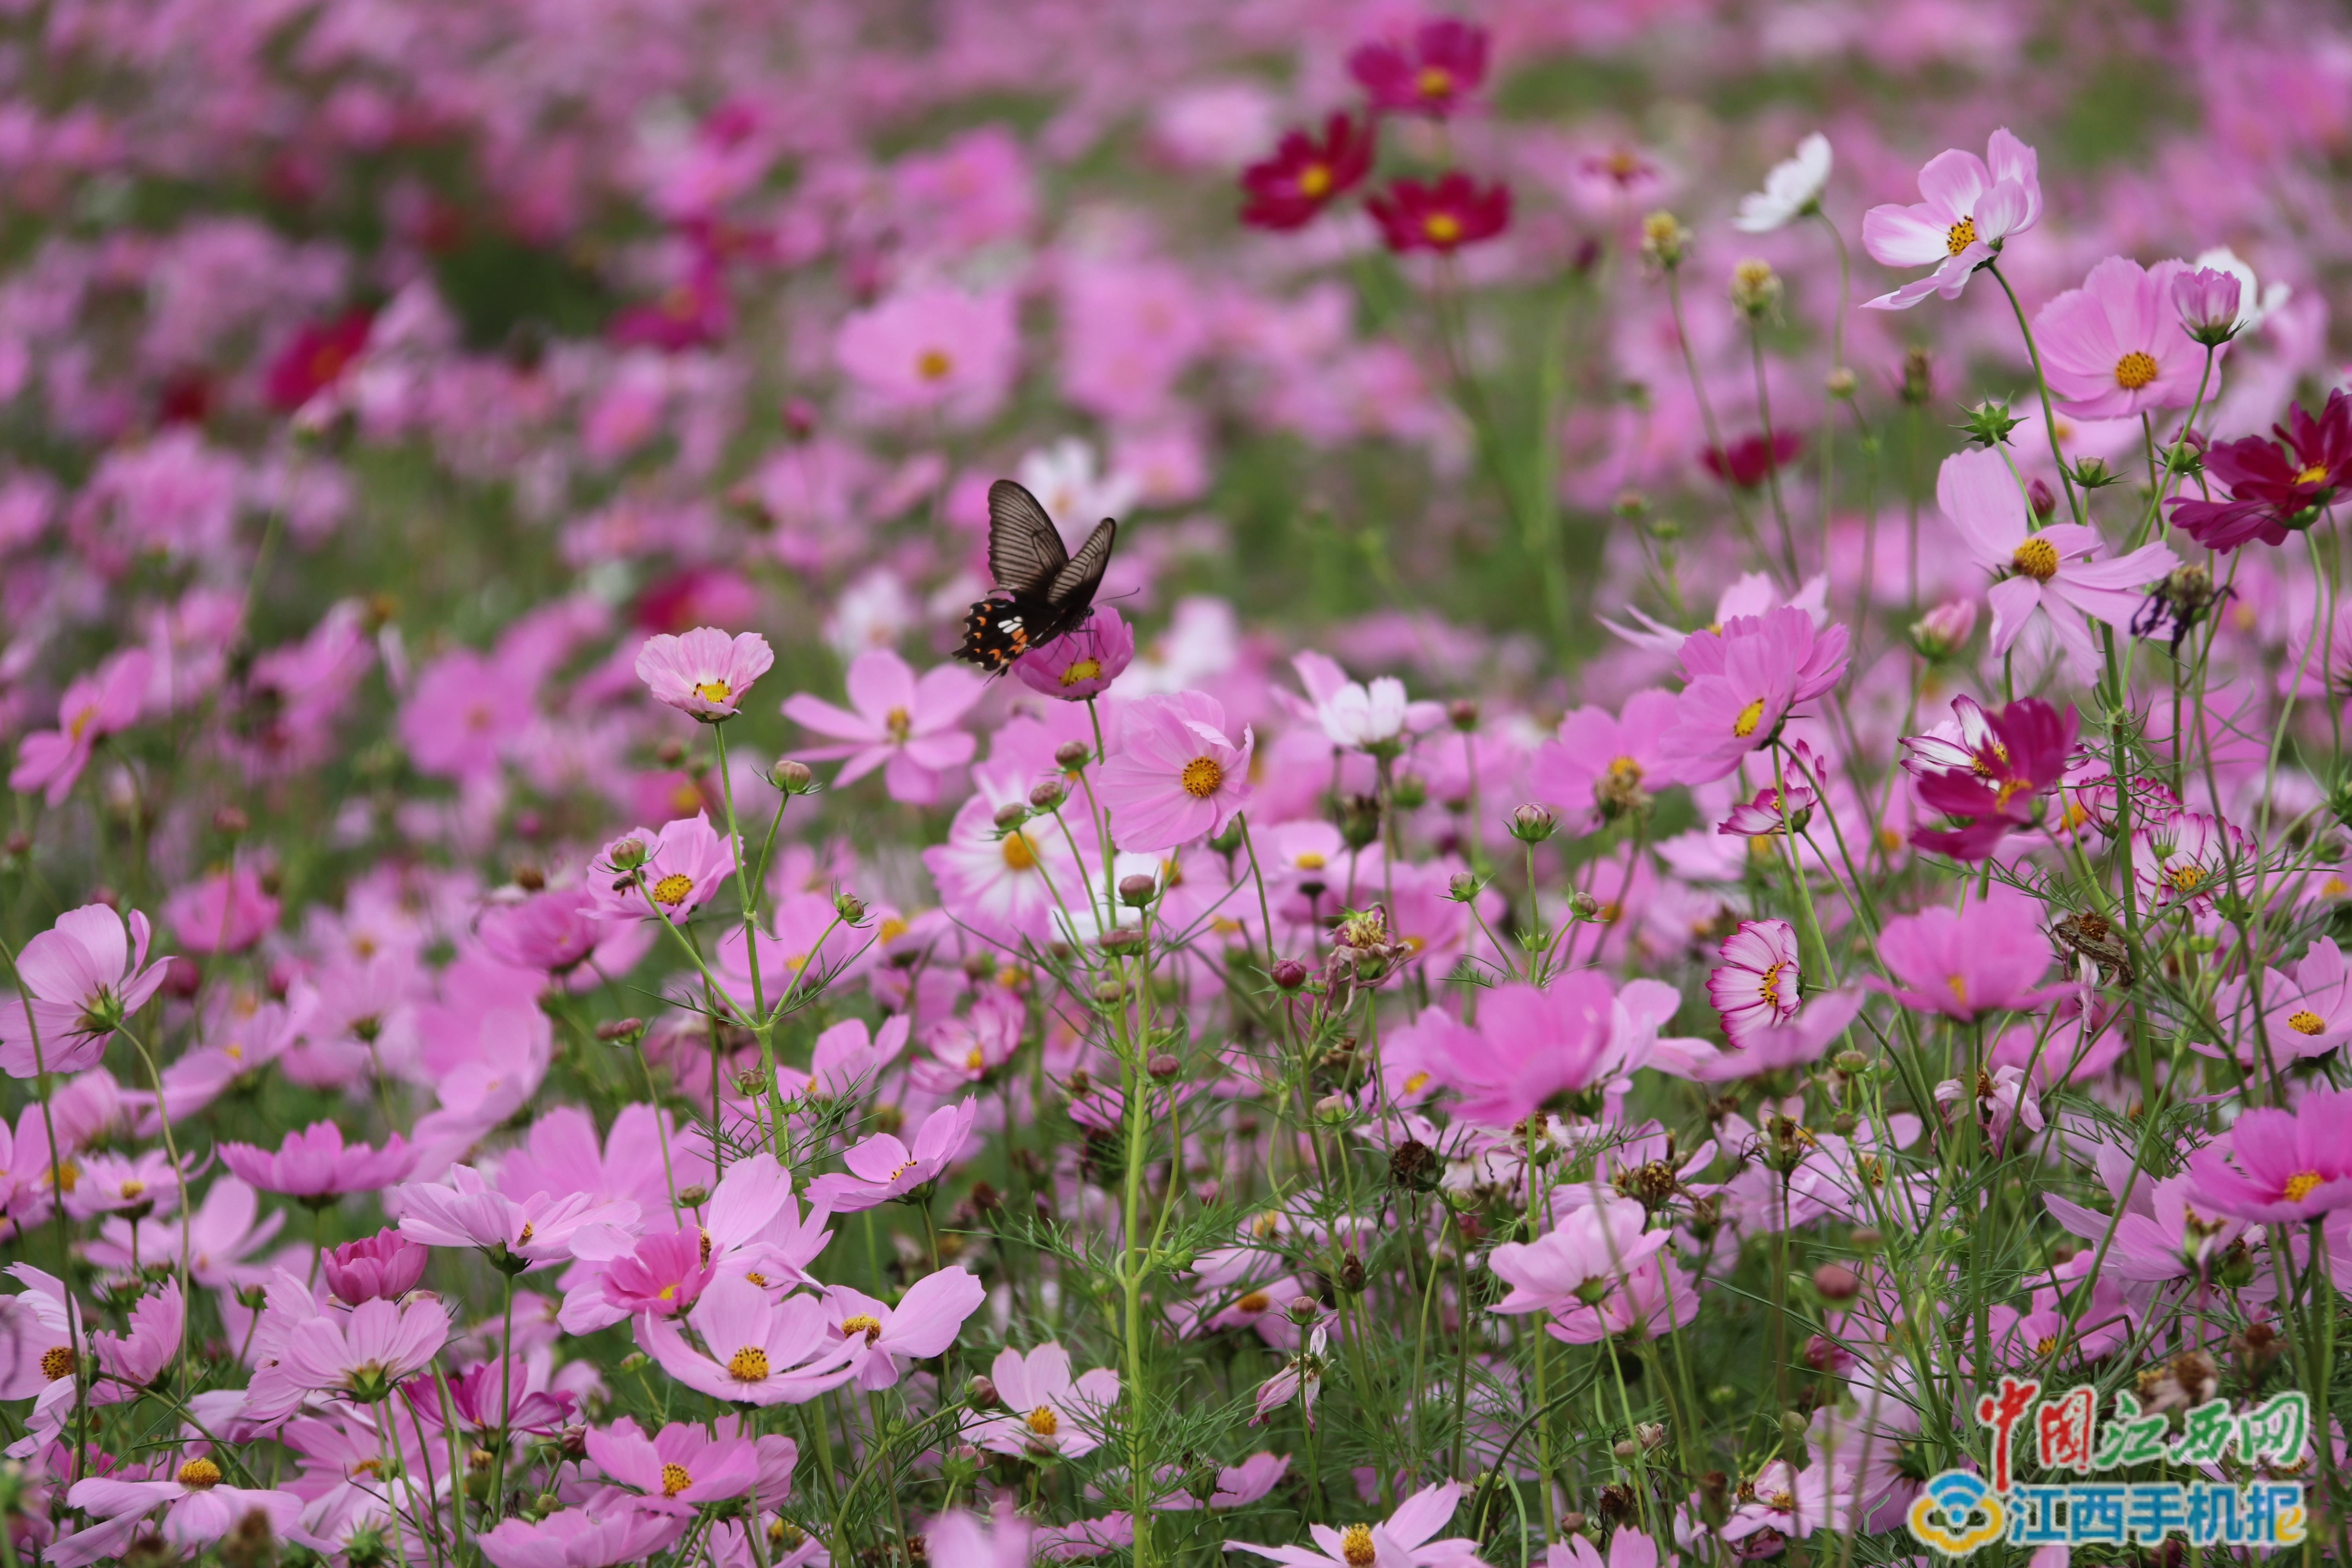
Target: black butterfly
{"x":1043,"y":590}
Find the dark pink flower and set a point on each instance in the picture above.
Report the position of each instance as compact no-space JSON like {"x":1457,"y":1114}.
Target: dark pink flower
{"x":1445,"y":62}
{"x":380,"y":1267}
{"x":2281,"y":1167}
{"x":1444,"y":216}
{"x":1080,"y":664}
{"x":316,"y":1164}
{"x":1305,"y":176}
{"x":682,"y":1463}
{"x":2019,"y":755}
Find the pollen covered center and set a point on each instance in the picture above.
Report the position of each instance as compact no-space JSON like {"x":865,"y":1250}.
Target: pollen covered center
{"x":1356,"y":1546}
{"x":2303,"y":1021}
{"x":1043,"y":1422}
{"x":1201,"y":777}
{"x":863,"y":1323}
{"x":1434,"y":81}
{"x":933,"y":365}
{"x":1768,"y":988}
{"x":2036,"y":558}
{"x":1749,"y":717}
{"x":1018,"y":856}
{"x":1443,"y":227}
{"x":748,"y":1364}
{"x":58,"y":1362}
{"x":1082,"y":669}
{"x":1314,"y":180}
{"x":674,"y":1479}
{"x":1959,"y":236}
{"x":198,"y":1474}
{"x":714,"y":691}
{"x":2312,"y":474}
{"x":2135,"y":370}
{"x":673,"y":889}
{"x":2299,"y":1186}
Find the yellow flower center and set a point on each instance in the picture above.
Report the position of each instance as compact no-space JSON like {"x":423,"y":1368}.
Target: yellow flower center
{"x":748,"y":1364}
{"x":1624,"y":770}
{"x":669,"y":1292}
{"x":1356,"y":1546}
{"x":2185,"y":875}
{"x":1749,"y":717}
{"x":2036,"y":558}
{"x":58,"y":1362}
{"x":1313,"y":181}
{"x":897,"y":722}
{"x":2303,"y":1021}
{"x":1043,"y":1422}
{"x":974,"y":1059}
{"x":1434,"y":81}
{"x":1445,"y":228}
{"x":2135,"y":370}
{"x":1255,"y":1301}
{"x":1310,"y":861}
{"x":1201,"y":777}
{"x":756,"y":1278}
{"x":200,"y":1473}
{"x":1416,"y":1083}
{"x":1959,"y":236}
{"x":1959,"y":985}
{"x":1082,"y":669}
{"x":865,"y":1323}
{"x":674,"y":1479}
{"x":1768,"y":988}
{"x":672,"y":890}
{"x":933,"y":365}
{"x":2312,"y":474}
{"x":132,"y":1188}
{"x":713,"y":691}
{"x":1018,"y":856}
{"x":2299,"y":1185}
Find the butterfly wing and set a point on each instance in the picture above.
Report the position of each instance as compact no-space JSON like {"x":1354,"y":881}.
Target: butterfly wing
{"x":1024,"y":550}
{"x":1071,"y":593}
{"x":995,"y":633}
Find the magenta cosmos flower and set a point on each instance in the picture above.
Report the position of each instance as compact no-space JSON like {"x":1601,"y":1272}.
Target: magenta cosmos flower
{"x":1401,"y":1539}
{"x":881,"y":1168}
{"x":1045,"y":1409}
{"x":1972,"y":205}
{"x":1987,"y":957}
{"x":1754,"y":987}
{"x":2052,"y":573}
{"x":82,"y":977}
{"x":2278,"y":1167}
{"x":924,"y":1324}
{"x":670,"y":872}
{"x":2115,"y":347}
{"x":1603,"y":765}
{"x":680,"y":1464}
{"x":93,"y":707}
{"x":1530,"y":1046}
{"x":1450,"y":212}
{"x":933,"y":346}
{"x":704,"y":672}
{"x":1080,"y":664}
{"x":903,"y":725}
{"x":2275,"y":489}
{"x":369,"y":1353}
{"x":1305,"y":174}
{"x":384,"y":1266}
{"x":1741,"y":682}
{"x":316,"y":1163}
{"x":1175,"y":778}
{"x":1994,"y":779}
{"x":756,"y":1350}
{"x":1445,"y":61}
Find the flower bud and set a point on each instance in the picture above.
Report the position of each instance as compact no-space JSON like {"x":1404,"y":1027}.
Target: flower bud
{"x":1359,"y":820}
{"x":1584,"y":906}
{"x":1351,"y":1275}
{"x":1289,"y":974}
{"x":1048,"y":795}
{"x":2209,"y":302}
{"x":1990,"y":423}
{"x":1852,"y":1062}
{"x":1109,"y":992}
{"x":1918,"y":387}
{"x":2042,"y":499}
{"x":1410,"y":792}
{"x":1533,"y":823}
{"x":1009,"y":816}
{"x":1836,"y":1282}
{"x":2094,"y":474}
{"x":1841,"y":383}
{"x":1138,"y":891}
{"x":1945,"y":630}
{"x":1461,"y":886}
{"x":1867,"y":1237}
{"x":621,"y":1031}
{"x":1664,"y":241}
{"x":980,"y":1393}
{"x":1463,"y":712}
{"x":850,"y":907}
{"x":1755,"y":287}
{"x":1305,"y":1309}
{"x":1163,"y":1066}
{"x":693,"y":1197}
{"x":792,"y":777}
{"x":1625,"y":1447}
{"x":229,"y":819}
{"x":628,"y":854}
{"x":1071,"y":755}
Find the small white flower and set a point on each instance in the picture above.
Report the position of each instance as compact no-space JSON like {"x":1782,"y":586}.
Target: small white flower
{"x":1790,"y":191}
{"x":2253,"y":302}
{"x":1064,"y":479}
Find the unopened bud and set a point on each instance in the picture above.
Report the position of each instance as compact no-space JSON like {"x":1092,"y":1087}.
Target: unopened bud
{"x":1109,"y":992}
{"x":1289,"y":974}
{"x":1410,"y":791}
{"x":628,"y":854}
{"x":1461,"y":886}
{"x":1651,"y":1434}
{"x":1463,"y":712}
{"x":1945,"y":630}
{"x":1045,"y":796}
{"x":1625,"y":1447}
{"x":2039,"y":495}
{"x":693,"y":1197}
{"x":1842,"y":383}
{"x":1138,"y":891}
{"x":621,"y":1031}
{"x":1755,"y":287}
{"x":1009,"y":816}
{"x":1571,"y":1522}
{"x":850,"y":907}
{"x":1836,"y":1282}
{"x":1305,"y":1309}
{"x":1071,"y":755}
{"x":979,"y":965}
{"x":980,"y":1393}
{"x":1351,"y":1275}
{"x":792,"y":777}
{"x":1584,"y":906}
{"x":1866,"y":1236}
{"x":1918,"y":378}
{"x":1852,"y":1062}
{"x":1163,"y":1066}
{"x":1533,"y":823}
{"x":2094,"y":474}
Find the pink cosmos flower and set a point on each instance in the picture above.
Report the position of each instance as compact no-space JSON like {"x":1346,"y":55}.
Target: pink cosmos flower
{"x":1972,"y":205}
{"x":82,"y":977}
{"x":129,"y":1361}
{"x":226,"y":912}
{"x":2007,"y":763}
{"x":664,"y":1273}
{"x":505,"y":1392}
{"x":1175,"y":777}
{"x":1987,"y":958}
{"x":1769,"y":1048}
{"x":613,"y":1529}
{"x":1530,"y":1046}
{"x":1445,"y":62}
{"x":2281,"y":1167}
{"x":2307,"y":1014}
{"x":1741,"y":682}
{"x":384,"y":1266}
{"x":201,"y":1509}
{"x":367,"y":1353}
{"x":1597,"y":1273}
{"x":902,"y":724}
{"x":1045,"y":1410}
{"x":1603,"y":765}
{"x":1298,"y":1382}
{"x":961,"y":1539}
{"x":1628,"y":1547}
{"x":2051,"y":573}
{"x":1080,"y":664}
{"x":460,"y":716}
{"x":2115,"y":348}
{"x":2183,"y":859}
{"x":1402,"y":1538}
{"x":1756,"y":986}
{"x":933,"y":346}
{"x":681,"y":1464}
{"x":671,"y":872}
{"x":222,"y":1231}
{"x":2211,"y":303}
{"x":315,"y":1163}
{"x":924,"y":1324}
{"x":756,"y":1350}
{"x":1793,"y":1503}
{"x":94,"y":706}
{"x":881,"y":1168}
{"x":1238,"y":1486}
{"x":556,"y":930}
{"x":704,"y":672}
{"x":545,"y":1227}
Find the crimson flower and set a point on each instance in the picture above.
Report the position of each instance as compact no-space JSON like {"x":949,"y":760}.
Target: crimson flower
{"x":1305,"y":174}
{"x":1446,"y":63}
{"x":1995,"y":776}
{"x":1444,"y":216}
{"x":317,"y":357}
{"x":2272,"y":493}
{"x":1746,"y":462}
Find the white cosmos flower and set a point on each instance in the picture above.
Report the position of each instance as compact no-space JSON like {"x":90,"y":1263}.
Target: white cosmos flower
{"x":1790,"y":189}
{"x":2253,"y":302}
{"x":1064,"y":479}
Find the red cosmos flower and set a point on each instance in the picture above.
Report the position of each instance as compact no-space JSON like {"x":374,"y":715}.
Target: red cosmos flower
{"x":1994,"y":776}
{"x":1300,"y":179}
{"x":1746,"y":462}
{"x":2272,"y":493}
{"x":1452,"y":213}
{"x":317,"y":358}
{"x":1447,"y":62}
